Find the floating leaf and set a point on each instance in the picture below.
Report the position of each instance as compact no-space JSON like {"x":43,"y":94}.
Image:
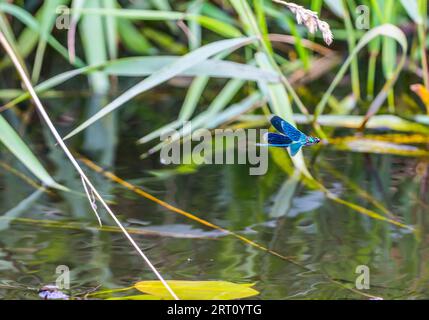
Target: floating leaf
{"x":198,"y":290}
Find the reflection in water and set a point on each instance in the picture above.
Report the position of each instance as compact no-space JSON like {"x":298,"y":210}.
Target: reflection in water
{"x":277,"y":211}
{"x":321,"y":241}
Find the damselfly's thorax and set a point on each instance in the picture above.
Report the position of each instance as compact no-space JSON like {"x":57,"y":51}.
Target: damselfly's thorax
{"x":311,"y":141}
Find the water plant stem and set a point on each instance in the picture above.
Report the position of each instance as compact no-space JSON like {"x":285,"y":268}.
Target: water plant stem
{"x":63,"y":146}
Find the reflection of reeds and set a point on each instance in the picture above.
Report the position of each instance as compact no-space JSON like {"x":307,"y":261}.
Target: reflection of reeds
{"x":93,"y":194}
{"x":310,"y":19}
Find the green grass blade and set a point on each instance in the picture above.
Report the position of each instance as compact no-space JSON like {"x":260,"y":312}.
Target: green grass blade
{"x":280,"y":105}
{"x":48,"y":19}
{"x":214,"y":25}
{"x":32,"y":23}
{"x":422,"y":34}
{"x":144,"y":66}
{"x":134,"y":14}
{"x":14,"y":143}
{"x":412,"y":9}
{"x":194,"y":37}
{"x":71,"y":33}
{"x":164,"y":5}
{"x":94,"y":45}
{"x":165,"y":41}
{"x":418,"y":125}
{"x":386,"y":30}
{"x":213,"y":115}
{"x":7,"y":30}
{"x":217,"y":26}
{"x":235,"y":110}
{"x":336,"y":7}
{"x":111,"y":30}
{"x":374,"y":51}
{"x":193,"y":95}
{"x":132,"y":39}
{"x":187,"y":61}
{"x":351,"y":40}
{"x":389,"y":49}
{"x":212,"y":11}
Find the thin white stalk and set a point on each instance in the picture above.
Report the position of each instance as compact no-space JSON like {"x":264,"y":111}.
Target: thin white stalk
{"x":92,"y":201}
{"x":60,"y":141}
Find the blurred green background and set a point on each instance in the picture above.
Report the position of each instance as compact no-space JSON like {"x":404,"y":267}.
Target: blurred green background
{"x":112,"y":75}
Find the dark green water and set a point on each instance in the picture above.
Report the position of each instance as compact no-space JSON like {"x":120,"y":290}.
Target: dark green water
{"x":323,"y":237}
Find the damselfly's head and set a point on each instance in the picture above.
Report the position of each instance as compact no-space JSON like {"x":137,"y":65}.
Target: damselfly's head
{"x":312,"y":140}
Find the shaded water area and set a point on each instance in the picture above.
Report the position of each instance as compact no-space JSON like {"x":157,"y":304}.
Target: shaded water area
{"x":325,"y":240}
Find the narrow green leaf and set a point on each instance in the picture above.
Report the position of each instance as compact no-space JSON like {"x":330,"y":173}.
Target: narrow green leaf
{"x":280,"y":105}
{"x":187,"y":61}
{"x":193,"y":95}
{"x":94,"y":44}
{"x":111,"y":30}
{"x":32,"y":23}
{"x":132,"y":39}
{"x":412,"y":8}
{"x":219,"y":27}
{"x":386,"y":30}
{"x":164,"y":5}
{"x":144,"y":66}
{"x":14,"y":143}
{"x":47,"y":23}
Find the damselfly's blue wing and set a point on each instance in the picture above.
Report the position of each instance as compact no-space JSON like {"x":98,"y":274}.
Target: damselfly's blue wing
{"x":294,"y":148}
{"x":277,"y":123}
{"x":287,"y":129}
{"x":277,"y":140}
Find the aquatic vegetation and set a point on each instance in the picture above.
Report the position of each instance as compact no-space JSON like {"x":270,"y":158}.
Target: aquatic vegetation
{"x":204,"y":290}
{"x":101,"y":73}
{"x":310,"y":19}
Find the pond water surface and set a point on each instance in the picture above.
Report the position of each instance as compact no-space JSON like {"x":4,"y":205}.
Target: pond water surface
{"x":324,"y":241}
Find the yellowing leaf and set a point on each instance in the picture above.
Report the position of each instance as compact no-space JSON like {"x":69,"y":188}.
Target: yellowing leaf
{"x":136,"y":297}
{"x":422,"y":92}
{"x":376,"y":144}
{"x":198,"y":290}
